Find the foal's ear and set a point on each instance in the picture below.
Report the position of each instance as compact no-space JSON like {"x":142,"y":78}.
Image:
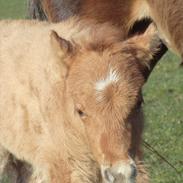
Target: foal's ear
{"x":61,"y":46}
{"x":147,"y":49}
{"x":63,"y":50}
{"x":148,"y":41}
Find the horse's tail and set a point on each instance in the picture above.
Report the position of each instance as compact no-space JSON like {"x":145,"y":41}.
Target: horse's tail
{"x":35,"y":10}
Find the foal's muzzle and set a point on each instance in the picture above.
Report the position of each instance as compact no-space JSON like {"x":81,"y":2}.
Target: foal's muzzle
{"x":119,"y":173}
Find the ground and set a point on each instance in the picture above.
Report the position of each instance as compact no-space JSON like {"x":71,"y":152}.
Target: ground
{"x":163,"y":95}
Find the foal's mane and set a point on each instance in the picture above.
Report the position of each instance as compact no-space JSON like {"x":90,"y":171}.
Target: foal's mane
{"x":89,"y":34}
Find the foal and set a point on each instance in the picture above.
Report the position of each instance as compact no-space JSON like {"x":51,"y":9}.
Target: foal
{"x":70,"y":103}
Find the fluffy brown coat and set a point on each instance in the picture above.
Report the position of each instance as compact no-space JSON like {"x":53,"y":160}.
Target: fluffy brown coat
{"x":43,"y":86}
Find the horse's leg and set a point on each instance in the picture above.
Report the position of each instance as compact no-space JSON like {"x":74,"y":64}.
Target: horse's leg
{"x":13,"y":170}
{"x":24,"y":172}
{"x":7,"y":167}
{"x":4,"y":158}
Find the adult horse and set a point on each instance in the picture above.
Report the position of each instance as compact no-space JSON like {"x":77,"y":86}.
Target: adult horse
{"x":72,"y":107}
{"x":119,"y":13}
{"x":124,"y":13}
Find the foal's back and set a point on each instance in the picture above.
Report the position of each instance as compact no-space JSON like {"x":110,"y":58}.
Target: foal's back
{"x":26,"y":84}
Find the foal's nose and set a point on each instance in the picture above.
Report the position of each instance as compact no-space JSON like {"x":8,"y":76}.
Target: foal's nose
{"x":120,"y":173}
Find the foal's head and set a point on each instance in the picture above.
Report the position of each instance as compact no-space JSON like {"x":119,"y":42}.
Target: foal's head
{"x":104,"y":79}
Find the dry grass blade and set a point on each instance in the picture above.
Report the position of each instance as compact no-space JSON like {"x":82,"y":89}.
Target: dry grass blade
{"x":149,"y":147}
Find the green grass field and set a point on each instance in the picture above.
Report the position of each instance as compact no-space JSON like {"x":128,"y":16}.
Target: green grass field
{"x":163,"y":95}
{"x":13,"y":8}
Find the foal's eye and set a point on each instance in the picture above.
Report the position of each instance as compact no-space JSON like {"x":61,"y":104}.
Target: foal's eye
{"x":81,"y":113}
{"x":79,"y":109}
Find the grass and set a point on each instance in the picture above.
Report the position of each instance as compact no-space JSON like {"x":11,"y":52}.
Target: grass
{"x":163,"y":95}
{"x":13,"y":9}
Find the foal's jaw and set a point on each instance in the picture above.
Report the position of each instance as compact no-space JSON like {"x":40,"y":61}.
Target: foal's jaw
{"x":121,"y":172}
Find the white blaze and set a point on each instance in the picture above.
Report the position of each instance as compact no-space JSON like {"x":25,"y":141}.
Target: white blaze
{"x":112,"y":77}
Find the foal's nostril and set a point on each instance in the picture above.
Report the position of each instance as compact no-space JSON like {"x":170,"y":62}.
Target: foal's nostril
{"x":108,"y":176}
{"x":133,"y":170}
{"x":120,"y":172}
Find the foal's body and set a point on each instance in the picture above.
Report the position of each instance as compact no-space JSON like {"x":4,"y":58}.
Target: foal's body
{"x":33,"y":124}
{"x":168,"y":16}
